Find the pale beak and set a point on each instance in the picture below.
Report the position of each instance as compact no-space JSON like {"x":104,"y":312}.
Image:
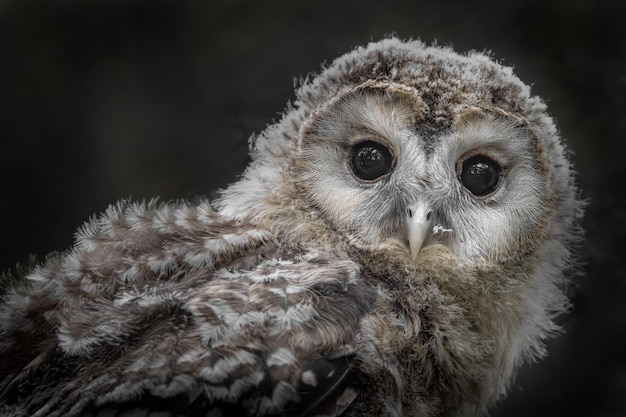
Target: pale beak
{"x":418,"y":227}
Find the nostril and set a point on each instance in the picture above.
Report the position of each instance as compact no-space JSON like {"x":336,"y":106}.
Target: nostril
{"x":410,"y":212}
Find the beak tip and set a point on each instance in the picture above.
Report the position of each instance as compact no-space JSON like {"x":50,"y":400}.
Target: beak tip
{"x":415,"y":248}
{"x":419,"y":226}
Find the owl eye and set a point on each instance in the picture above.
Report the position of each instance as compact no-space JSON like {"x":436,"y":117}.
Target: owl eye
{"x":370,"y":160}
{"x":480,"y":175}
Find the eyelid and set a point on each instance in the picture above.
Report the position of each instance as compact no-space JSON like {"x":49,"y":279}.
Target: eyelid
{"x":371,"y":137}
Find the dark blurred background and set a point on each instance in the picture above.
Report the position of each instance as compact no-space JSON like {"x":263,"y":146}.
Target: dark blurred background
{"x":101,"y":100}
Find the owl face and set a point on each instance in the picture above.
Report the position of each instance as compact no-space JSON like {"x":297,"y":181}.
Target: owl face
{"x":380,"y":166}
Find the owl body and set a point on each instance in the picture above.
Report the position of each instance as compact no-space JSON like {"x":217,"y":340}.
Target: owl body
{"x":396,"y":247}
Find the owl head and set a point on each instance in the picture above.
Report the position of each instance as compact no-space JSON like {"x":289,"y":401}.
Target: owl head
{"x":418,"y":150}
{"x":403,"y":142}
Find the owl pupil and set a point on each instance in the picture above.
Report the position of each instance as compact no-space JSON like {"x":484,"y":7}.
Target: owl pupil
{"x":480,"y":175}
{"x":370,"y":160}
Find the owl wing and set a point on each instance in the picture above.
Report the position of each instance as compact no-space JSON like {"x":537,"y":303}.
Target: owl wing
{"x":175,"y":310}
{"x":329,"y":393}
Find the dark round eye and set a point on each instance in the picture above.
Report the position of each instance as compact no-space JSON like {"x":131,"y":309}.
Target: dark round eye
{"x":370,"y":160}
{"x":480,"y":175}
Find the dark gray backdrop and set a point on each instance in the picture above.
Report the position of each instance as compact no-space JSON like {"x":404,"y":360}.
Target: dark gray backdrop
{"x":101,"y":100}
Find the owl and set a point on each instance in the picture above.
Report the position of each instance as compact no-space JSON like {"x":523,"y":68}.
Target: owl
{"x":398,"y":246}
